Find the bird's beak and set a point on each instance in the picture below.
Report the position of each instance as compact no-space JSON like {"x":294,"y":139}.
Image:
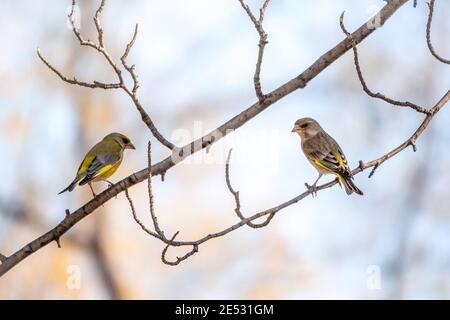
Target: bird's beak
{"x":295,"y":129}
{"x":130,"y":146}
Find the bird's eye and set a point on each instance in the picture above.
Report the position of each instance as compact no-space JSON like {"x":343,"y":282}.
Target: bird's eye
{"x":304,"y":125}
{"x":126,"y":141}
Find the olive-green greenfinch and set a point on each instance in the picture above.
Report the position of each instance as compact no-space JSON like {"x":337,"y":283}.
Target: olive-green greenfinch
{"x":102,"y":160}
{"x":324,"y":154}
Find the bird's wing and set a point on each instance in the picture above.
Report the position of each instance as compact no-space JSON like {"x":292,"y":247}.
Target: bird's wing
{"x":327,"y":154}
{"x":334,"y":161}
{"x":97,"y":165}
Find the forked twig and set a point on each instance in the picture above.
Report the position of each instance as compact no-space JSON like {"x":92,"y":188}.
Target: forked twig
{"x":258,"y":23}
{"x":412,"y":140}
{"x":120,"y":84}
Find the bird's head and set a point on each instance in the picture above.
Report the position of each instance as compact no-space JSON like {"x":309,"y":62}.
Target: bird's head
{"x":121,"y":139}
{"x":306,"y":127}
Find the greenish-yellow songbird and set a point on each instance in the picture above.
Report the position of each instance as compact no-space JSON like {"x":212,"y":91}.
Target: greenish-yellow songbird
{"x":324,"y":153}
{"x":102,"y":160}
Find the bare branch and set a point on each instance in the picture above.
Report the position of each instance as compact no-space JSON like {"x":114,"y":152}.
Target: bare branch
{"x":238,"y":201}
{"x":150,"y":193}
{"x":75,"y":81}
{"x":158,"y":169}
{"x":100,"y":47}
{"x":270,"y":213}
{"x":139,"y":222}
{"x":77,"y":33}
{"x":262,"y":11}
{"x":2,"y":258}
{"x":363,"y":82}
{"x":430,"y":45}
{"x":72,"y":219}
{"x":159,"y":233}
{"x":98,"y":24}
{"x":410,"y":142}
{"x":131,"y":69}
{"x":262,"y":44}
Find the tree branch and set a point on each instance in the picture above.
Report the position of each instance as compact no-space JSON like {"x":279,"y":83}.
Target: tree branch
{"x":72,"y":219}
{"x":100,"y":47}
{"x":131,"y":69}
{"x":238,"y":201}
{"x":159,"y":234}
{"x":429,"y":113}
{"x":97,"y":22}
{"x":135,"y":217}
{"x":270,"y":213}
{"x":409,"y":142}
{"x":430,"y":45}
{"x":75,"y":81}
{"x":360,"y":168}
{"x":363,"y":82}
{"x":258,"y":23}
{"x":180,"y":154}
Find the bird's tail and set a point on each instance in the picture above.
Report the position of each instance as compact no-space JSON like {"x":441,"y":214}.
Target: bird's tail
{"x":70,"y":187}
{"x":347,"y":180}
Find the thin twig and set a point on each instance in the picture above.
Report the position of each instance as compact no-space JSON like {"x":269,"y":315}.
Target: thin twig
{"x":77,"y":33}
{"x":363,"y":82}
{"x":75,"y":81}
{"x":131,"y":69}
{"x":238,"y":201}
{"x":258,"y":23}
{"x":100,"y":47}
{"x":150,"y":193}
{"x":159,"y":233}
{"x":98,"y":25}
{"x":409,"y":142}
{"x":139,"y":222}
{"x":430,"y":45}
{"x":58,"y":242}
{"x":412,"y":140}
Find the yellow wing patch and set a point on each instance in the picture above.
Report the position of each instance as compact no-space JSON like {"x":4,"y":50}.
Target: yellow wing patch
{"x":321,"y":165}
{"x":341,"y":159}
{"x":85,"y":164}
{"x":341,"y":162}
{"x":107,"y":171}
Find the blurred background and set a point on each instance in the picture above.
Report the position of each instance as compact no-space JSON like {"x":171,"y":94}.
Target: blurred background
{"x":196,"y":62}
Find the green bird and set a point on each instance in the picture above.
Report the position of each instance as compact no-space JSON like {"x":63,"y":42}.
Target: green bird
{"x":102,"y":160}
{"x":323,"y":152}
